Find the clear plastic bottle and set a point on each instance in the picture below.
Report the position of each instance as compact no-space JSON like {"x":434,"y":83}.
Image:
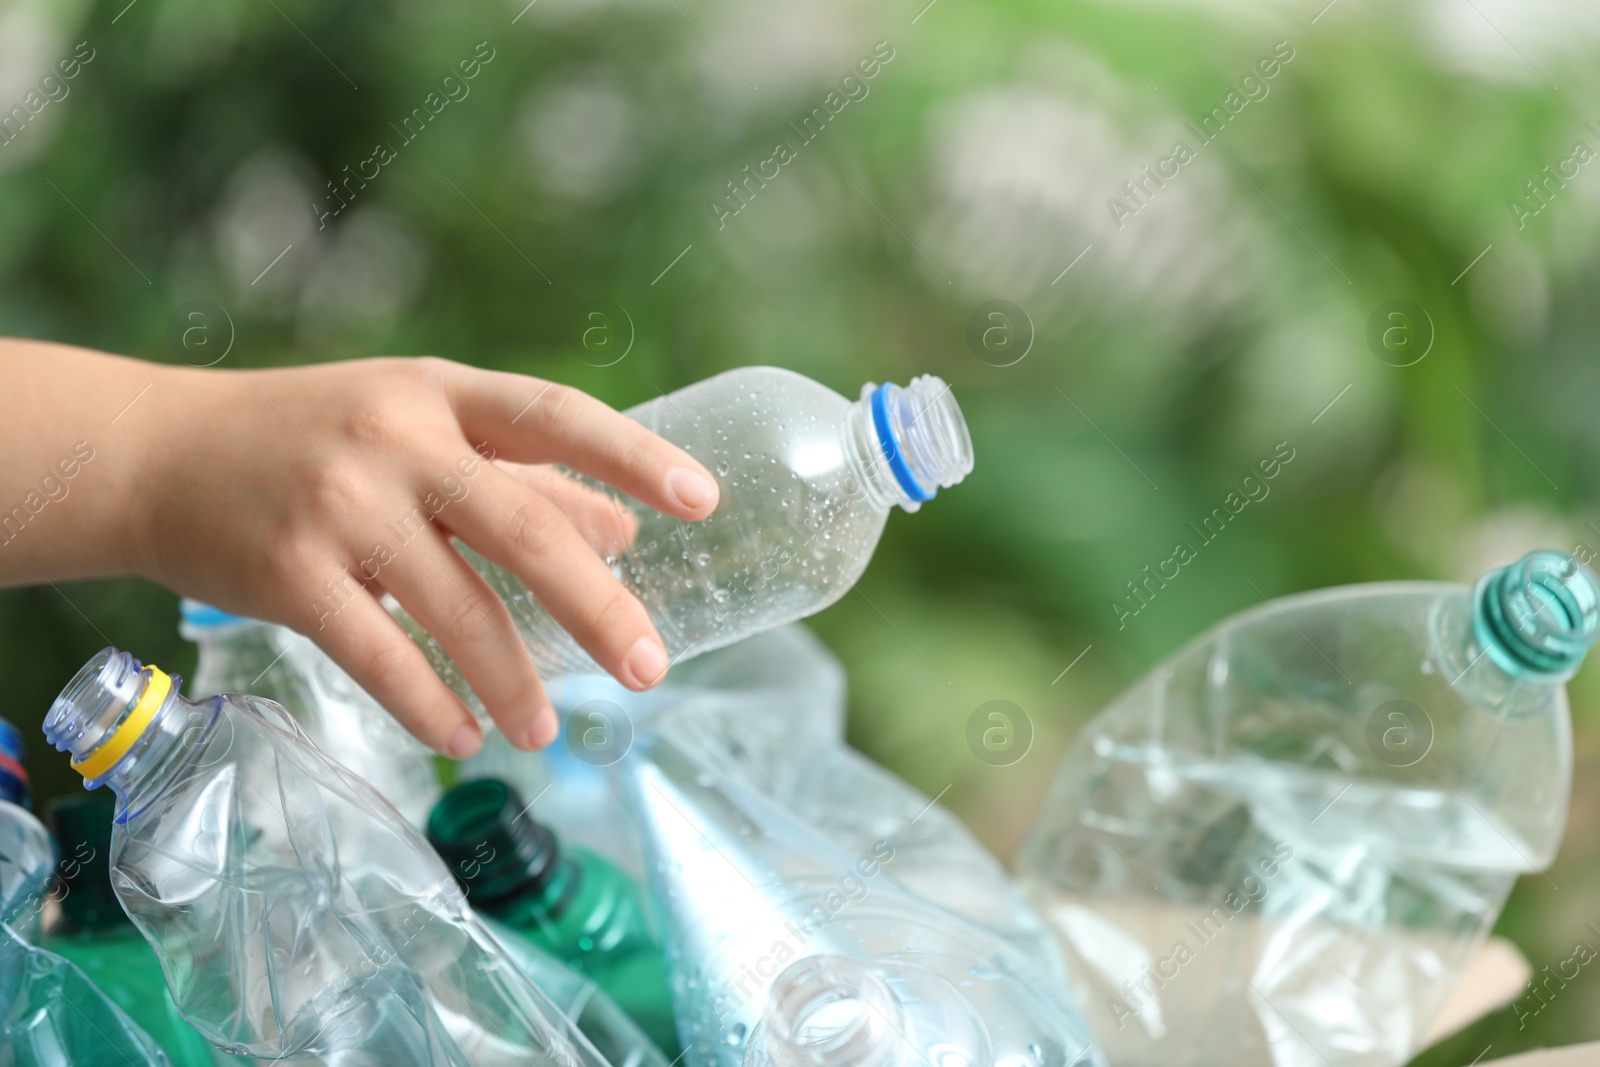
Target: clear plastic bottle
{"x":1284,"y":845}
{"x":807,"y":479}
{"x":50,"y":1013}
{"x":614,"y":1035}
{"x":837,"y":793}
{"x":296,"y":913}
{"x":93,"y":932}
{"x":27,"y":851}
{"x":239,"y":655}
{"x":569,"y":902}
{"x":783,"y":676}
{"x":795,"y":947}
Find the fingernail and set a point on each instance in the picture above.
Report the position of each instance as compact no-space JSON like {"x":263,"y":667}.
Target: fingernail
{"x":646,"y":663}
{"x":543,"y":729}
{"x":464,"y":742}
{"x":691,"y":488}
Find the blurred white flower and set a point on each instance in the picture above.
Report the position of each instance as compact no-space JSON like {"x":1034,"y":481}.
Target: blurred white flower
{"x":1520,"y":42}
{"x":371,"y":269}
{"x":528,"y":14}
{"x":1023,"y":178}
{"x":266,"y":209}
{"x":786,"y":50}
{"x":31,"y":44}
{"x":1315,"y":365}
{"x":579,"y":135}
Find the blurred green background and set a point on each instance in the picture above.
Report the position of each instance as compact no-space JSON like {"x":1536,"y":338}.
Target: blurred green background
{"x":1148,"y":356}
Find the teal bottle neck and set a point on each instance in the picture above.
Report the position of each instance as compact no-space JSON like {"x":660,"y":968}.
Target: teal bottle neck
{"x":1538,"y":617}
{"x":497,"y":851}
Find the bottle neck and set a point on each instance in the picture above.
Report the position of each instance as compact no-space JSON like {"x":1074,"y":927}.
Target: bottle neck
{"x":830,"y":1011}
{"x":1537,"y":618}
{"x":905,"y":444}
{"x":494,"y":847}
{"x":126,"y":726}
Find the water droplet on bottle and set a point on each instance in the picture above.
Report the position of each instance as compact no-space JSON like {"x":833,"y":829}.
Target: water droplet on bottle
{"x":736,"y":1035}
{"x":723,"y":468}
{"x":703,"y":558}
{"x":721,"y":596}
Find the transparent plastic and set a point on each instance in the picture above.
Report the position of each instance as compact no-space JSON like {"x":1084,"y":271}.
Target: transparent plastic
{"x":27,"y":863}
{"x":94,"y":933}
{"x":1285,"y":843}
{"x":614,"y":1035}
{"x":239,"y":655}
{"x":569,"y":902}
{"x":843,"y":797}
{"x":798,"y":946}
{"x":806,"y":486}
{"x":785,"y":675}
{"x":296,"y":913}
{"x":50,"y":1015}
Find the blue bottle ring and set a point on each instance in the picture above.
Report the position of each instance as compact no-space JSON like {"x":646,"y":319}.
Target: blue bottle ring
{"x":891,"y":450}
{"x":14,"y":785}
{"x":202,"y":615}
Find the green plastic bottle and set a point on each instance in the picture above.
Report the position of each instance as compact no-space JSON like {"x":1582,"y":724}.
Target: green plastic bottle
{"x":571,"y":903}
{"x":96,"y":934}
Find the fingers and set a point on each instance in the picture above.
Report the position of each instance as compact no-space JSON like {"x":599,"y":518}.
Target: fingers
{"x":528,"y":535}
{"x":453,"y":603}
{"x":532,"y":421}
{"x":603,"y":520}
{"x":372,"y":648}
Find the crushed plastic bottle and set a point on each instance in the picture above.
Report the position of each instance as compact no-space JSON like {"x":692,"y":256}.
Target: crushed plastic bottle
{"x":50,"y":1013}
{"x":1284,"y":845}
{"x":27,"y":851}
{"x":614,"y":1035}
{"x":296,"y":913}
{"x":239,"y":655}
{"x":798,"y":945}
{"x":568,"y":902}
{"x":807,"y":480}
{"x":93,"y":932}
{"x":783,"y":676}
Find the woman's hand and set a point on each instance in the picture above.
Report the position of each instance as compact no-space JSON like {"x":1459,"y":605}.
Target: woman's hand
{"x":302,"y":495}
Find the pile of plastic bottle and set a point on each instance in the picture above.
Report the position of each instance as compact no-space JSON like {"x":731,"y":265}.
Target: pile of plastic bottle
{"x":1281,"y":847}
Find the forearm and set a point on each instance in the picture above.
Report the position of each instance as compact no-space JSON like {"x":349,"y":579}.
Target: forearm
{"x":77,"y":450}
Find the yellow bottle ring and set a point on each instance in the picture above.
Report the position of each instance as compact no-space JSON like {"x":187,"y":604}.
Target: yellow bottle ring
{"x":131,"y":728}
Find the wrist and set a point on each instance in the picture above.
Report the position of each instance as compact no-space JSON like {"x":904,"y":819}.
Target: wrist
{"x":156,"y":458}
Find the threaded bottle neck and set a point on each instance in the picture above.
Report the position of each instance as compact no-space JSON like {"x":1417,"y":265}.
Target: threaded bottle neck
{"x":830,"y":1011}
{"x":495,"y":849}
{"x":913,"y":441}
{"x":1538,"y":617}
{"x":116,"y":719}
